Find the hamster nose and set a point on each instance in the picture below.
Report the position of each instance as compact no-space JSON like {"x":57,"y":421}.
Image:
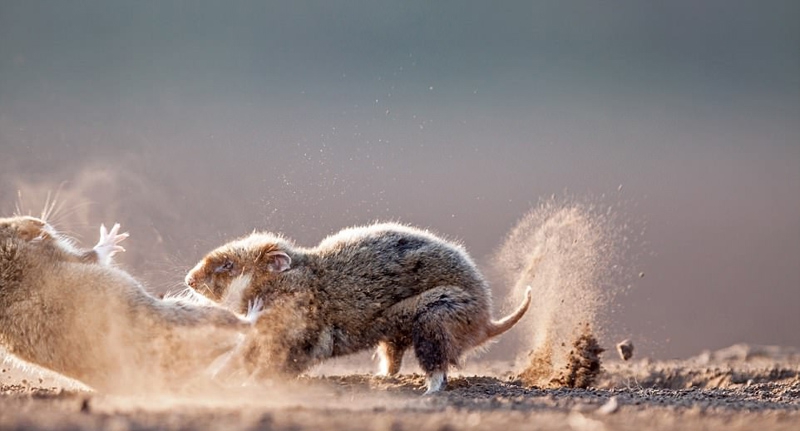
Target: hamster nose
{"x":190,"y":281}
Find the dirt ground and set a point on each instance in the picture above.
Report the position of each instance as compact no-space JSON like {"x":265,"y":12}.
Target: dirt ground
{"x":742,"y":387}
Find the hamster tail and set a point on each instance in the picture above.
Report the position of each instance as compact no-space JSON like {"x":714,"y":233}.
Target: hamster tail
{"x":504,"y":324}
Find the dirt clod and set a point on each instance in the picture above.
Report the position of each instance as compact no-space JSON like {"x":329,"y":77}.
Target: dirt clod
{"x":582,"y":364}
{"x":625,"y":349}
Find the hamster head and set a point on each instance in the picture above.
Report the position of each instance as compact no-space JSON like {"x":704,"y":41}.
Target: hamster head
{"x":40,"y":234}
{"x":26,"y":228}
{"x":225,"y":273}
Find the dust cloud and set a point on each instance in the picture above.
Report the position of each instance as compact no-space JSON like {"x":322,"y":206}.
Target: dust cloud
{"x":571,"y":253}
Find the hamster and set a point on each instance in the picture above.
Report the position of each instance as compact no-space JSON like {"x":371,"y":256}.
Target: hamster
{"x":386,"y":285}
{"x":72,"y":312}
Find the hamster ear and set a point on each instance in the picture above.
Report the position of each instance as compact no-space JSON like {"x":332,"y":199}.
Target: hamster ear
{"x":30,"y":228}
{"x":278,"y":261}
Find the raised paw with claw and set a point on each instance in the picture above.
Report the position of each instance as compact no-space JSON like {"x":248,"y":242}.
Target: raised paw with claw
{"x":254,"y":310}
{"x":108,"y":245}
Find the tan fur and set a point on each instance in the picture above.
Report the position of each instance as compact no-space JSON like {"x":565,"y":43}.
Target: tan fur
{"x":61,"y":310}
{"x":384,"y":285}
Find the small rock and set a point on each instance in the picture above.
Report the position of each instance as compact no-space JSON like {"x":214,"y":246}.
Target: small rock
{"x":625,"y":349}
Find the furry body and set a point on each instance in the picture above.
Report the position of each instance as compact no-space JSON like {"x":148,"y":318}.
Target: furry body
{"x":384,"y":285}
{"x":62,"y":309}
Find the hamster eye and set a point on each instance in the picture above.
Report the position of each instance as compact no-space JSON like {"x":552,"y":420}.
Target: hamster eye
{"x":225,"y":267}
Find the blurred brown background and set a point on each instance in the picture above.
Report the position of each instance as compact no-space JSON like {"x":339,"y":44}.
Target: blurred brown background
{"x":193,"y":122}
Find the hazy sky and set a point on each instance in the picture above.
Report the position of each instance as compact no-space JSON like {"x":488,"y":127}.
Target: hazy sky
{"x":192,"y":122}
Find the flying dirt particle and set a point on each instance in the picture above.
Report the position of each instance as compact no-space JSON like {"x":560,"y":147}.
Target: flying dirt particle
{"x":641,"y":275}
{"x":625,"y":349}
{"x":85,"y":408}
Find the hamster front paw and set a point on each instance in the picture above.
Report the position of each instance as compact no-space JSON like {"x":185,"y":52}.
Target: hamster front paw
{"x":108,"y":245}
{"x":254,"y":310}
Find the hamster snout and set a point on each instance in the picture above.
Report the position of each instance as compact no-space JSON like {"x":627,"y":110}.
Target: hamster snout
{"x":196,"y":276}
{"x":190,"y":280}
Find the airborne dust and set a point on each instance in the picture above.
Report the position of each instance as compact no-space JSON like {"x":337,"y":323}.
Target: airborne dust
{"x":570,"y":253}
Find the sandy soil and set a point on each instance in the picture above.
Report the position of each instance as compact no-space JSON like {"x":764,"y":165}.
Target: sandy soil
{"x":742,"y":387}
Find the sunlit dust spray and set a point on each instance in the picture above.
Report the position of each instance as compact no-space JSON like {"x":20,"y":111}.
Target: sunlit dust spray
{"x":569,"y":253}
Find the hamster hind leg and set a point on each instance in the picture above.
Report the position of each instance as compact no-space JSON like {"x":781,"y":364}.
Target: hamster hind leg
{"x":445,"y":323}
